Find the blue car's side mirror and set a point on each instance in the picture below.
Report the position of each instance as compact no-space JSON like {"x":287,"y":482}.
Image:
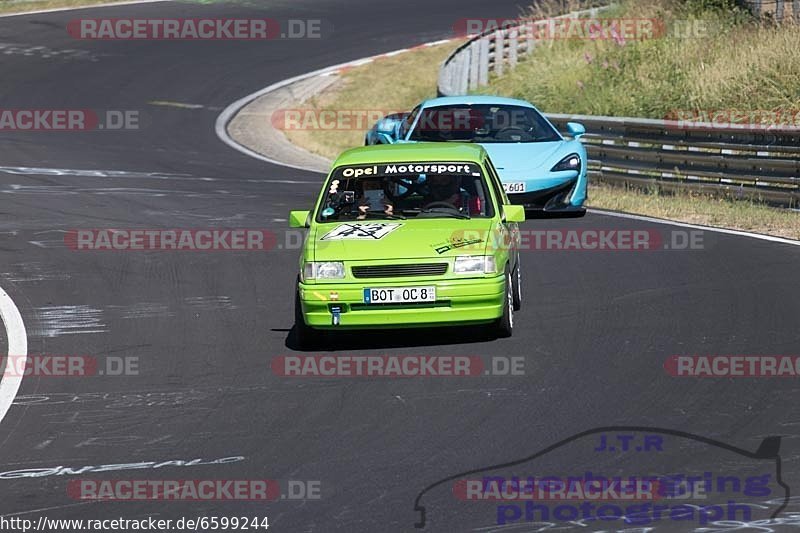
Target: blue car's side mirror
{"x":384,"y":138}
{"x":576,"y":129}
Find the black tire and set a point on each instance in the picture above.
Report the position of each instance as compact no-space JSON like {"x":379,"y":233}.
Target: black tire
{"x":516,"y":283}
{"x":504,"y":327}
{"x":305,"y":337}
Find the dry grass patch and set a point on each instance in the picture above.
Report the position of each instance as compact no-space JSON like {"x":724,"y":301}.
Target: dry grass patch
{"x":699,"y":209}
{"x":389,"y":84}
{"x":729,"y":62}
{"x":21,"y":6}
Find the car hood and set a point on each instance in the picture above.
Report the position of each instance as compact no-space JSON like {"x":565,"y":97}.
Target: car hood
{"x":400,"y":239}
{"x":522,"y":157}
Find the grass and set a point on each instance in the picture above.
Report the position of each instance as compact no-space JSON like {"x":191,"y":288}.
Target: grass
{"x":21,"y":6}
{"x":373,"y":87}
{"x":765,"y":53}
{"x":727,"y":62}
{"x":699,"y":209}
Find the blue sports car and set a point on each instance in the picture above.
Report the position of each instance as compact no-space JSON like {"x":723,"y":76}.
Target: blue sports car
{"x":539,"y":168}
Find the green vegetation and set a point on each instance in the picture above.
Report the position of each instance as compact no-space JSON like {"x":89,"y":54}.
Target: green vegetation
{"x":21,"y":6}
{"x":706,"y":55}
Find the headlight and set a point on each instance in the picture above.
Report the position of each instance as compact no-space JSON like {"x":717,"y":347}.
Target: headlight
{"x":475,"y":264}
{"x":571,"y":162}
{"x":328,"y":270}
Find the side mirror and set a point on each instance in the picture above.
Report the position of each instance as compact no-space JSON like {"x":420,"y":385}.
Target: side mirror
{"x":514,"y":213}
{"x":576,"y":129}
{"x":384,"y":138}
{"x":299,"y":219}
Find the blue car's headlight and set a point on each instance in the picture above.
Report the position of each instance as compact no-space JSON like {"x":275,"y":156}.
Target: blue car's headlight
{"x":571,"y":162}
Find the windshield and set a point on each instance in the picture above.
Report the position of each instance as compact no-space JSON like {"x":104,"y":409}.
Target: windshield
{"x":406,"y":190}
{"x":483,"y":124}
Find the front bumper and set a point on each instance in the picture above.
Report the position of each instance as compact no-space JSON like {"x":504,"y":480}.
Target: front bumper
{"x":458,"y":302}
{"x":551,"y":199}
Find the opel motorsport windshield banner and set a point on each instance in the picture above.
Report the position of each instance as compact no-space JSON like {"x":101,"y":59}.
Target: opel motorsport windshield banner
{"x":404,"y":169}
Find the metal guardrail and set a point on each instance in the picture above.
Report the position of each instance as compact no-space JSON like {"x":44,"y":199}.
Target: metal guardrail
{"x":780,"y":10}
{"x":746,"y":163}
{"x":468,"y":67}
{"x":758,"y":164}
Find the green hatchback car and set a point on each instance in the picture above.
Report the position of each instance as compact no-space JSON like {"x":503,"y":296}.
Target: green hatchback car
{"x":409,"y":235}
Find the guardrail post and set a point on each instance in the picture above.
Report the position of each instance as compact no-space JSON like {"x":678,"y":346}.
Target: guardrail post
{"x":483,"y":62}
{"x":513,"y":43}
{"x":442,"y":86}
{"x":499,"y":52}
{"x":474,"y":64}
{"x":461,"y":86}
{"x":756,"y":7}
{"x":452,"y":76}
{"x":780,"y":8}
{"x":796,"y":11}
{"x":530,"y":34}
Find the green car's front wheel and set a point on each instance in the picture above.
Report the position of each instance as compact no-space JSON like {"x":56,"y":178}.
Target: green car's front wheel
{"x":504,"y":327}
{"x":305,"y":337}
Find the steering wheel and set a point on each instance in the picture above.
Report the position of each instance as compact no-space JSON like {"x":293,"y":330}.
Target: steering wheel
{"x":506,"y":133}
{"x":410,"y":187}
{"x":448,"y":205}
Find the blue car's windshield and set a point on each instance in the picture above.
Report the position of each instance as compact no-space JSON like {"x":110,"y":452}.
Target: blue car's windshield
{"x":483,"y":123}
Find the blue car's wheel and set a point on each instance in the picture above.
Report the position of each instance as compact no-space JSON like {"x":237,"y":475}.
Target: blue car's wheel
{"x":516,"y":282}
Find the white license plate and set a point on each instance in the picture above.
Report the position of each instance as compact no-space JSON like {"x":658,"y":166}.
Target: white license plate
{"x":399,"y":295}
{"x":514,"y":186}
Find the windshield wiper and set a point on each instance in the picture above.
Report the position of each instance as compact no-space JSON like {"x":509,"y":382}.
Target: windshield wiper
{"x":446,"y":211}
{"x":381,"y":214}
